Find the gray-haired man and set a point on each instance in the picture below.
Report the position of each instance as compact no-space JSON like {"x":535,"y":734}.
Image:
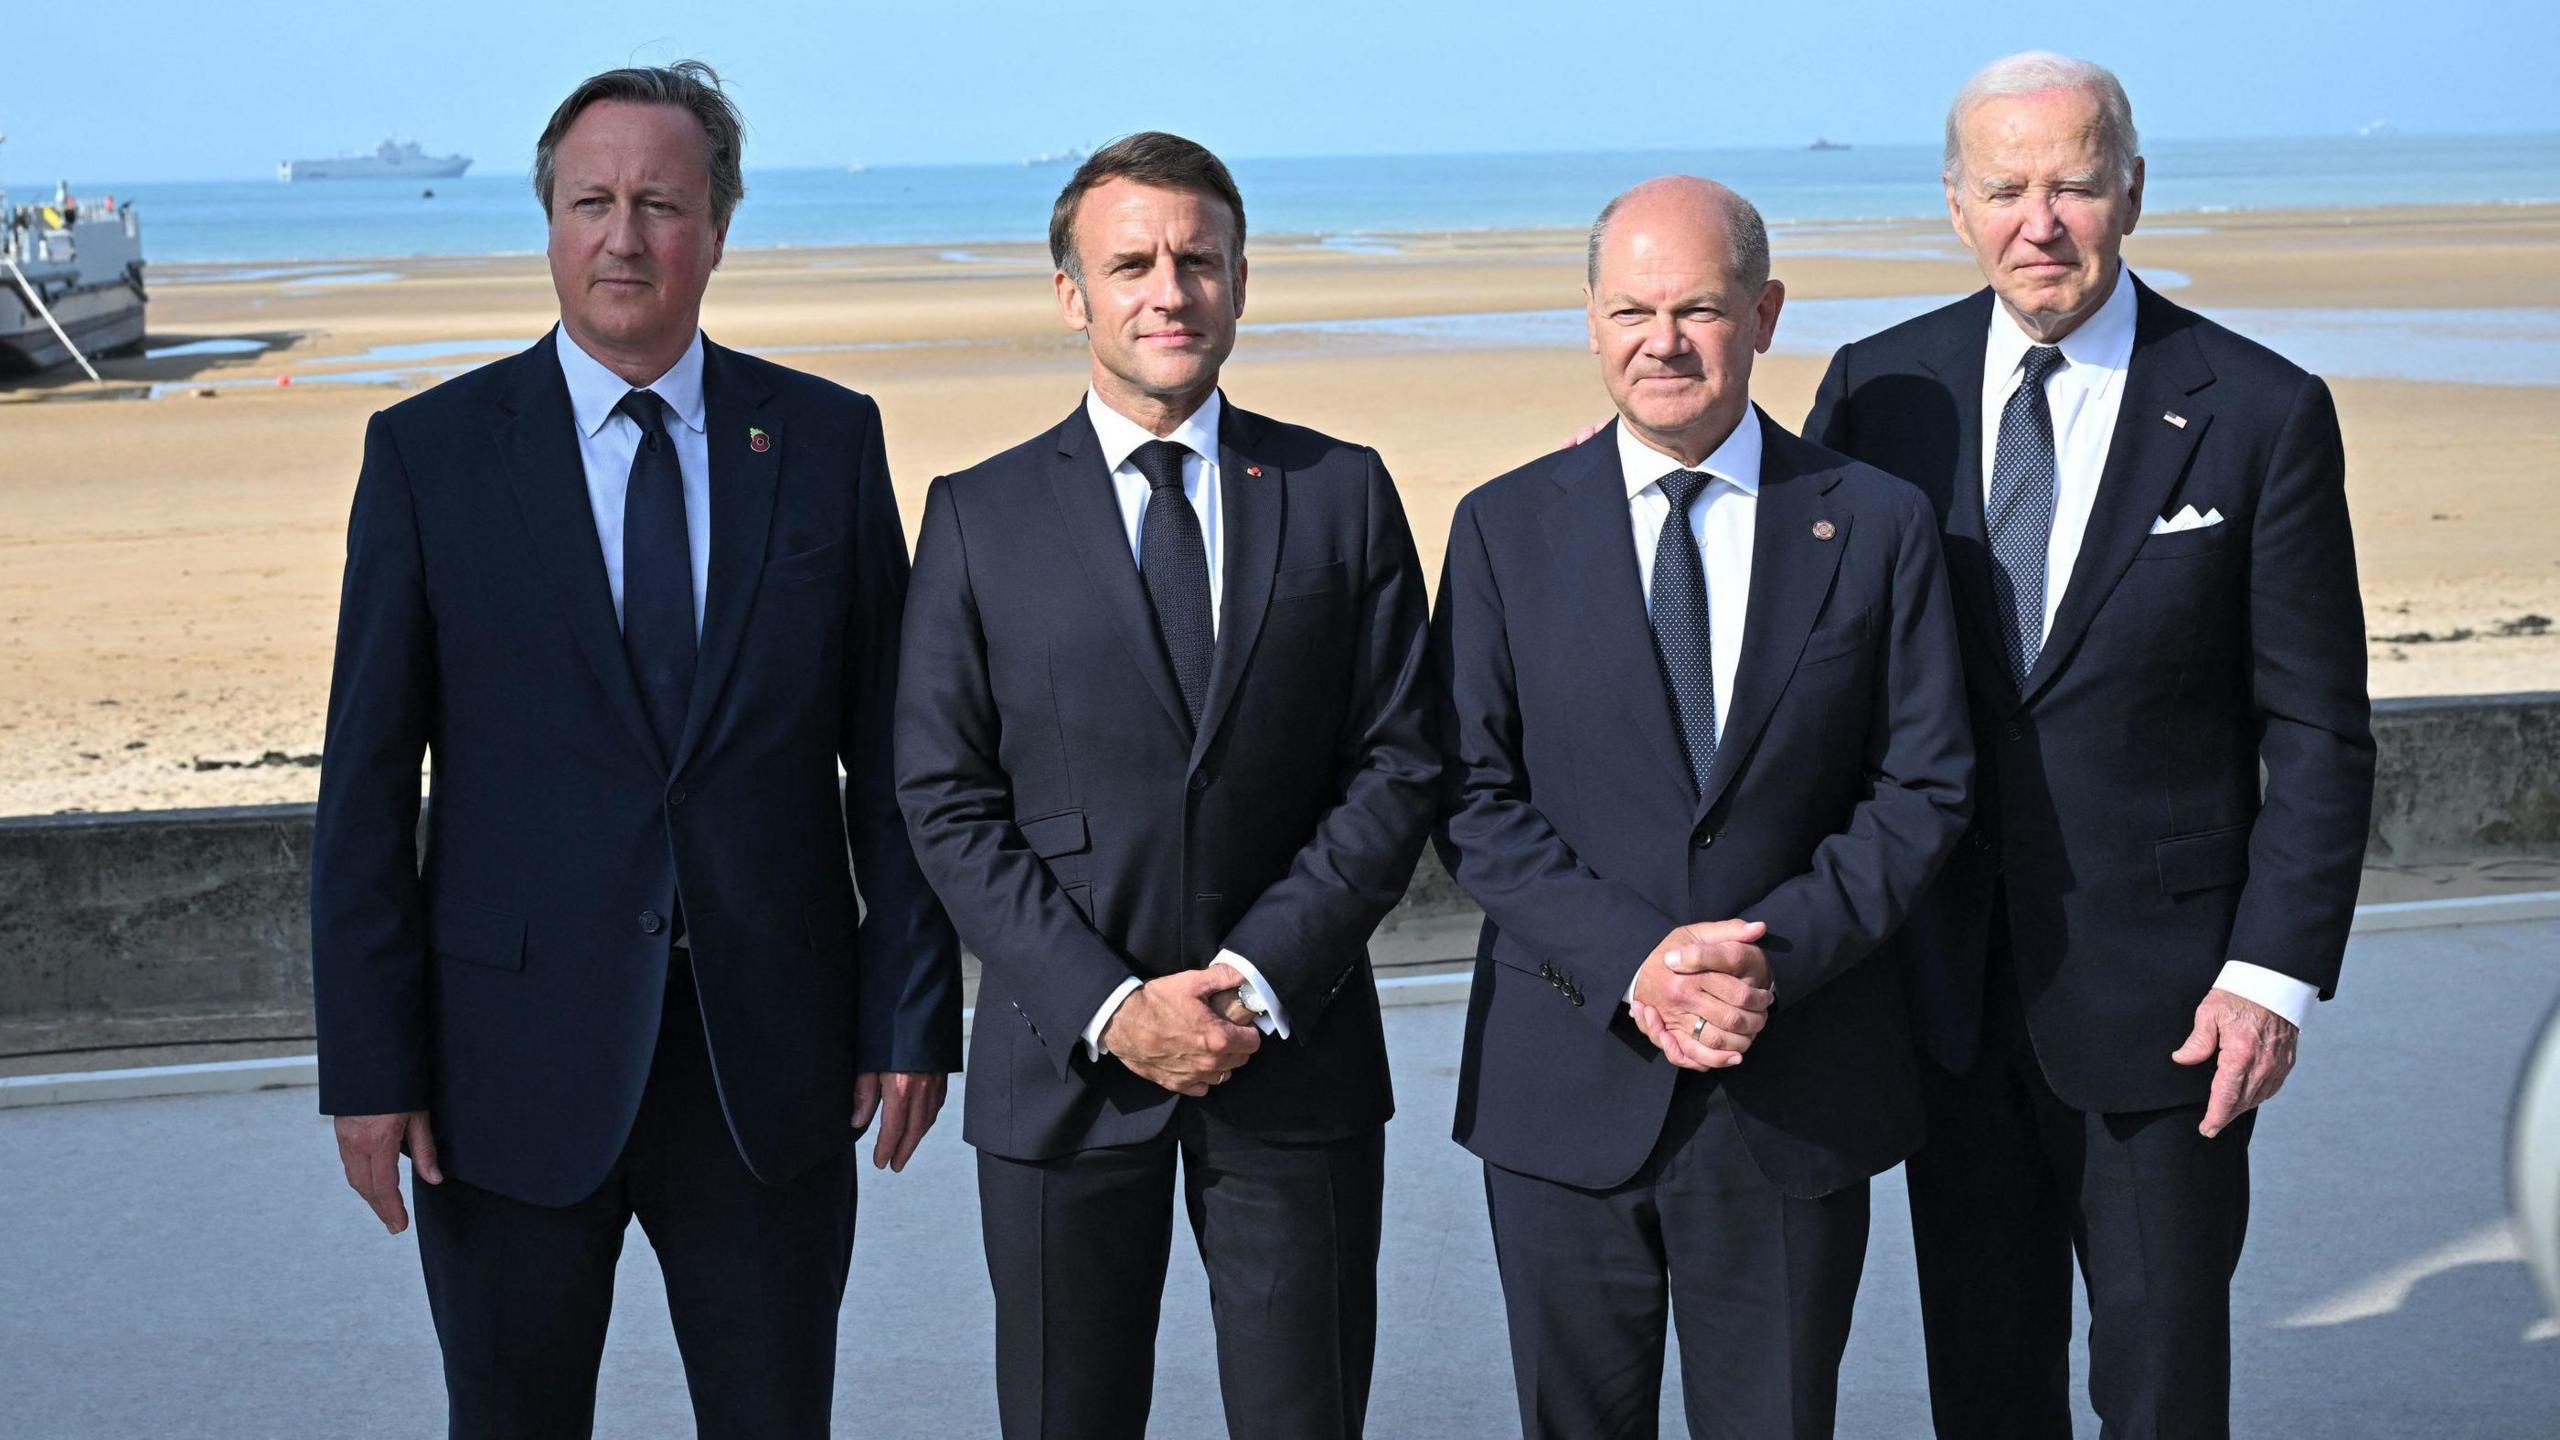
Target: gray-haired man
{"x":2146,"y":525}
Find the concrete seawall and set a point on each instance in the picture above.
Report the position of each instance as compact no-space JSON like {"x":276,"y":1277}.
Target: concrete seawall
{"x":190,"y":926}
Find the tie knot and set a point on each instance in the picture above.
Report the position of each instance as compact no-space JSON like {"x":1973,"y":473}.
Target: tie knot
{"x":647,"y":410}
{"x":1683,"y":487}
{"x":1160,"y":461}
{"x":2040,"y":361}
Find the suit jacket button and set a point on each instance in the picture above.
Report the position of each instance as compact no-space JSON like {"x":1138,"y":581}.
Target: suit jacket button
{"x":651,"y":923}
{"x":2013,"y":731}
{"x":1200,"y":780}
{"x":1574,"y":995}
{"x":1703,"y":838}
{"x":675,"y":794}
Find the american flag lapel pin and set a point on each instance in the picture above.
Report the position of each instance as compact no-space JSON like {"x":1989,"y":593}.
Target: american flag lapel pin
{"x":2174,"y":418}
{"x":758,"y":441}
{"x":1253,"y":470}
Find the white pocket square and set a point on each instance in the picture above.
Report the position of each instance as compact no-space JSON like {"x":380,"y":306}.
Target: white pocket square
{"x":2185,"y":519}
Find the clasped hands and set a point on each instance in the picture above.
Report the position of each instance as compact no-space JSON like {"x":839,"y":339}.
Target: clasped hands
{"x":1186,"y":1031}
{"x":1704,"y":993}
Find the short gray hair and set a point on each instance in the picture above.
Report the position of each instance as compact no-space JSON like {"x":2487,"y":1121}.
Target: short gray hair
{"x":690,"y":86}
{"x":1746,"y":235}
{"x":2034,"y":72}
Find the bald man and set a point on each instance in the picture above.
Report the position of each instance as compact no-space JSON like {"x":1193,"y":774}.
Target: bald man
{"x":1705,"y":739}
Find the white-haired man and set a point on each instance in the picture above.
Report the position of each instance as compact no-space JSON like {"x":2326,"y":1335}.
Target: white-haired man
{"x":2146,"y":528}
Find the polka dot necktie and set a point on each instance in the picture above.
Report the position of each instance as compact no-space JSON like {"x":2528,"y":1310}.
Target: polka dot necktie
{"x":2023,"y":482}
{"x":1681,"y":637}
{"x":1174,"y":561}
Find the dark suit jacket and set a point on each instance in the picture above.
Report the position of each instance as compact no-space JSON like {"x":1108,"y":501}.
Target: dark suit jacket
{"x":513,"y":989}
{"x":2121,"y":829}
{"x":1838,"y":787}
{"x":1081,"y":833}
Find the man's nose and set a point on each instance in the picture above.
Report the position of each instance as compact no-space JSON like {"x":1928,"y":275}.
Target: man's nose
{"x":2042,"y":224}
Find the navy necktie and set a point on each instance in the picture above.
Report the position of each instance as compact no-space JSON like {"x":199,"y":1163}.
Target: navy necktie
{"x":1682,"y":637}
{"x":657,"y":575}
{"x":2024,"y":481}
{"x":1174,"y":560}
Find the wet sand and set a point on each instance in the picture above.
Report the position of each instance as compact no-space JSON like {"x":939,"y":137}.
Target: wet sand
{"x":171,"y":541}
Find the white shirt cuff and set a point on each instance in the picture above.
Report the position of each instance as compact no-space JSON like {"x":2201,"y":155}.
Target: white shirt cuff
{"x":2279,"y":992}
{"x":1258,"y":996}
{"x":1102,"y":1017}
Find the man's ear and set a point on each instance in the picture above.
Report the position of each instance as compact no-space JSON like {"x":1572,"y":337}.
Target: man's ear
{"x":1071,"y":306}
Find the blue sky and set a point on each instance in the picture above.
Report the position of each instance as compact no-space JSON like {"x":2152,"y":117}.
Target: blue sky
{"x":165,"y":90}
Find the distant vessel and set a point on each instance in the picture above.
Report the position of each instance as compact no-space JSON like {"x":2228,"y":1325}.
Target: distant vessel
{"x":72,"y":264}
{"x":1072,"y":155}
{"x":390,"y":160}
{"x":1822,"y":144}
{"x":2372,"y":128}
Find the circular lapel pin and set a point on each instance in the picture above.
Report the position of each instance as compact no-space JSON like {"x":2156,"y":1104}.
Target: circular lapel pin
{"x":1822,"y":530}
{"x":1254,"y":471}
{"x":758,"y":441}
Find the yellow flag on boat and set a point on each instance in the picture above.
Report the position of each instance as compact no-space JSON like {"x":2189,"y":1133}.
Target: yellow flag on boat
{"x":53,"y":218}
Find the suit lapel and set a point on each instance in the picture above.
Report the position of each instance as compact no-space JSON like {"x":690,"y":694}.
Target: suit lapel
{"x":1791,"y":570}
{"x":743,"y":483}
{"x":1588,"y":529}
{"x":537,"y":433}
{"x":1253,"y":510}
{"x":1956,"y":358}
{"x":2146,"y":458}
{"x":1090,"y":514}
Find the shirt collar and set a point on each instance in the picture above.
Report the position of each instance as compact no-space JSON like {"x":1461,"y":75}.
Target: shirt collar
{"x":595,"y":390}
{"x":1120,"y":435}
{"x":1736,"y":461}
{"x":2104,"y":341}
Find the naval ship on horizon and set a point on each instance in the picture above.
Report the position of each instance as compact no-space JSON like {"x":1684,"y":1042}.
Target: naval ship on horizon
{"x":390,"y":160}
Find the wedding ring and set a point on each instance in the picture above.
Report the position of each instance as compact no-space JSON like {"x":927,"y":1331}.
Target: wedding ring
{"x":1697,"y":1027}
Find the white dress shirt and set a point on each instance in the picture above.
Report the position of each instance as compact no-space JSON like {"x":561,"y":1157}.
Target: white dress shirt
{"x":607,"y":440}
{"x":1721,"y":521}
{"x":2085,"y":395}
{"x":1121,"y":437}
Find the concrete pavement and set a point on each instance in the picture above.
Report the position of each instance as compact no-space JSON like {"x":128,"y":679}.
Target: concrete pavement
{"x":194,"y":1266}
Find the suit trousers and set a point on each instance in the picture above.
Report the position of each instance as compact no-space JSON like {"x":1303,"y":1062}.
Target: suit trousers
{"x":1077,"y":1248}
{"x":755,"y":1273}
{"x":2011,"y":1186}
{"x":1761,"y":1282}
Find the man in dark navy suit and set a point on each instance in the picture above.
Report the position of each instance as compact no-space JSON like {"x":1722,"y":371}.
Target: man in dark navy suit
{"x":1706,"y":743}
{"x":2146,"y":523}
{"x":638,"y":595}
{"x":1162,"y":747}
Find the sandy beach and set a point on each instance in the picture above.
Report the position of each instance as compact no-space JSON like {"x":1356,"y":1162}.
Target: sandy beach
{"x":171,"y":540}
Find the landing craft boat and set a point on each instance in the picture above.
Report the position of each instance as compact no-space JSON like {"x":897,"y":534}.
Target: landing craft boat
{"x":70,"y":276}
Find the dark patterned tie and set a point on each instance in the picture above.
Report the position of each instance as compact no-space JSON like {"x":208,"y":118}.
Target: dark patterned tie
{"x":657,"y":575}
{"x":1174,"y":560}
{"x":2024,"y":480}
{"x":1681,"y":636}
